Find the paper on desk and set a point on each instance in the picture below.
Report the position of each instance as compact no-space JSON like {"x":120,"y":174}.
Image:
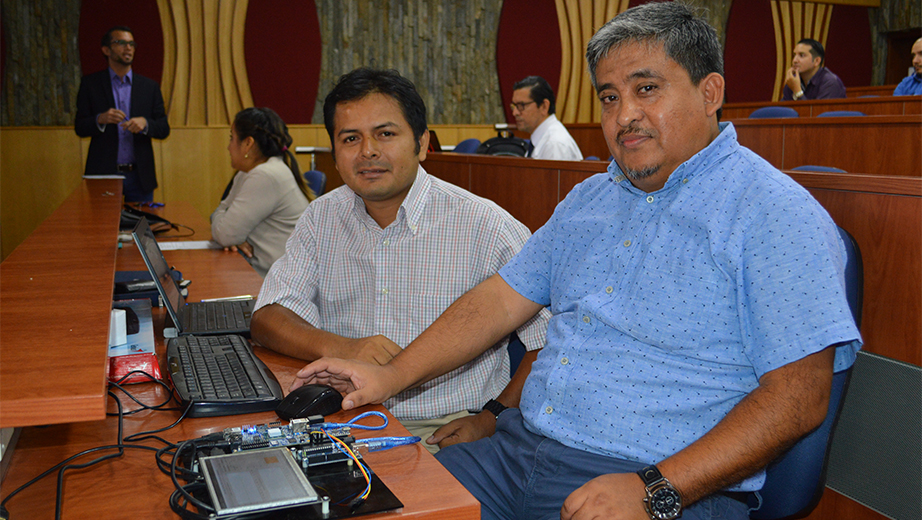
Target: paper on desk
{"x":188,"y":244}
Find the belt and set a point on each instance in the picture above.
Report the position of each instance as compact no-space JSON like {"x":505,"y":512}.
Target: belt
{"x":124,"y":167}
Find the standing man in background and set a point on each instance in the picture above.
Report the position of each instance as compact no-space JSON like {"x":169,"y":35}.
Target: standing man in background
{"x":808,"y":78}
{"x":912,"y":84}
{"x":121,"y":111}
{"x":533,"y":107}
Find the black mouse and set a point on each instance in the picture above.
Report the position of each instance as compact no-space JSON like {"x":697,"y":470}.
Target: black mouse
{"x":308,"y":400}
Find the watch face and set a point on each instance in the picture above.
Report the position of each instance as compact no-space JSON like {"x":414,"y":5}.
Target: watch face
{"x":665,"y":503}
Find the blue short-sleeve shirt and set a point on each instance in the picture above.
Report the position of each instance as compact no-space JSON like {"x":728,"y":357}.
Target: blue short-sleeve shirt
{"x":668,"y":306}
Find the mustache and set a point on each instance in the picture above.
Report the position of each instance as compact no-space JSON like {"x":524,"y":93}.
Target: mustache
{"x":372,"y":165}
{"x":633,"y":130}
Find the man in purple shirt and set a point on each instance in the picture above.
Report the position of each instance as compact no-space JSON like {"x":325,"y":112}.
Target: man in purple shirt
{"x":121,"y":111}
{"x":808,"y":78}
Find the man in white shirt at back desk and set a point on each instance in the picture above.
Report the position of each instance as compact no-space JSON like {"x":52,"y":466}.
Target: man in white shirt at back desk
{"x":533,"y":107}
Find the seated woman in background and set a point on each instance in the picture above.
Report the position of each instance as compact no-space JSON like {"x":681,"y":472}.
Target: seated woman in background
{"x":267,"y":195}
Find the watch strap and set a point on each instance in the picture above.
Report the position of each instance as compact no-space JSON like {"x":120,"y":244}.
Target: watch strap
{"x":650,"y":475}
{"x":495,"y":407}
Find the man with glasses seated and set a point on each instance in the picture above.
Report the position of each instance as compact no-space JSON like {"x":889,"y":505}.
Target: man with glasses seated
{"x":533,"y":107}
{"x":121,"y":111}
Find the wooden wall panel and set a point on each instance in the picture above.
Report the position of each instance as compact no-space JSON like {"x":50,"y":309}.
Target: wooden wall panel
{"x":767,"y":141}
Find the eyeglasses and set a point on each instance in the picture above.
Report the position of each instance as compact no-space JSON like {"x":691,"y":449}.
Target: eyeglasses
{"x":123,"y":43}
{"x":520,"y":106}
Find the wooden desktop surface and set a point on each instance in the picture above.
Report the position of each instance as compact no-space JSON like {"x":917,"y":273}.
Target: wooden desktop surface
{"x":131,"y":485}
{"x":54,"y":312}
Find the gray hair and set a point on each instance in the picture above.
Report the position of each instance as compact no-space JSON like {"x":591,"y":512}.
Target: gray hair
{"x":687,"y":39}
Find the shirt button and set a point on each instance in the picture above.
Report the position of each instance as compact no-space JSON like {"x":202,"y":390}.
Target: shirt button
{"x":384,"y":291}
{"x":564,"y":361}
{"x":549,"y":409}
{"x":586,"y":319}
{"x":649,"y":198}
{"x":684,"y":181}
{"x":627,"y":243}
{"x":609,"y":289}
{"x":387,"y":241}
{"x":413,"y":229}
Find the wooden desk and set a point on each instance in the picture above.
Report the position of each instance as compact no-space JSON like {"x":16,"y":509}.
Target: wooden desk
{"x":888,"y":105}
{"x":54,"y":312}
{"x":131,"y":486}
{"x":882,"y":145}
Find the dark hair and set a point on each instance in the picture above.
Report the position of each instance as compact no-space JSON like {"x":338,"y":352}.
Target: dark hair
{"x":687,"y":39}
{"x":816,"y":49}
{"x":272,"y":138}
{"x":364,"y":81}
{"x":107,"y":38}
{"x":540,"y":90}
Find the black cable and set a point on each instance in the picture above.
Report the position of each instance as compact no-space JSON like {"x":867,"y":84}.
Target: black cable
{"x":118,"y":384}
{"x":120,"y":445}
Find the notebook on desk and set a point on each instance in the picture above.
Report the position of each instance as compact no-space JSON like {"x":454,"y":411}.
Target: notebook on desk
{"x":204,"y":318}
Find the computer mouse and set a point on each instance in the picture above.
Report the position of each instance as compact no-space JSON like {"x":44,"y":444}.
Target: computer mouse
{"x":308,"y":400}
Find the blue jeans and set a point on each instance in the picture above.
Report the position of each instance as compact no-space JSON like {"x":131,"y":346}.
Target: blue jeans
{"x":516,"y":474}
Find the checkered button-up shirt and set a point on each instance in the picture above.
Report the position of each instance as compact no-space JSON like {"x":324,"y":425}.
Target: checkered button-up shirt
{"x":343,"y":274}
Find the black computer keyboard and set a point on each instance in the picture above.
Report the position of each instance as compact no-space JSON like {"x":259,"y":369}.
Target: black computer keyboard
{"x":218,"y":316}
{"x":220,"y":375}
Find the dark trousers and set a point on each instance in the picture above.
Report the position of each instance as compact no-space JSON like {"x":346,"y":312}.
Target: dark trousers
{"x":516,"y":474}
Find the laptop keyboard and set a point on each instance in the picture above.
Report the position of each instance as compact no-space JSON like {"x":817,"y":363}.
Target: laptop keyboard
{"x":220,"y":375}
{"x":232,"y":315}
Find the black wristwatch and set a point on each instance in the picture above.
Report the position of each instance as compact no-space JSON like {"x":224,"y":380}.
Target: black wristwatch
{"x":663,"y":501}
{"x":495,"y":407}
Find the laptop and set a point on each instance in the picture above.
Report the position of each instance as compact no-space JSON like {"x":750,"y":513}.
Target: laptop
{"x":204,"y":318}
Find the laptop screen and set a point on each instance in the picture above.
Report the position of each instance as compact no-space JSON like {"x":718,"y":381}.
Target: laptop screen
{"x":159,"y":270}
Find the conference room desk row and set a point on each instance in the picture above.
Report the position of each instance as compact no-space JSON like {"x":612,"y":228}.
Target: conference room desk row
{"x":61,"y":372}
{"x":879,"y":105}
{"x":880,"y":145}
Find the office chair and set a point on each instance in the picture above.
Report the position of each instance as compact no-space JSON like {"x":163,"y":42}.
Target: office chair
{"x":316,"y":180}
{"x":768,"y":112}
{"x":516,"y":352}
{"x":591,"y":158}
{"x":814,"y":168}
{"x":467,"y":146}
{"x":842,"y":113}
{"x":794,"y":482}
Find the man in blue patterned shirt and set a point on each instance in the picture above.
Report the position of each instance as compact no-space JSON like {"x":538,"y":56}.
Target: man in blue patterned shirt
{"x":697,"y":299}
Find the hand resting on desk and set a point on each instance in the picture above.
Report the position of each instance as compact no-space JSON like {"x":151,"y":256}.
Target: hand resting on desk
{"x":244,"y":249}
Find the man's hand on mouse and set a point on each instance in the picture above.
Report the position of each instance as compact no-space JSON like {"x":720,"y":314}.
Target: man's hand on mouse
{"x":360,"y":382}
{"x":373,"y":349}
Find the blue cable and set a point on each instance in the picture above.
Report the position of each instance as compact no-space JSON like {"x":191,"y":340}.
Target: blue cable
{"x":352,"y":424}
{"x":386,"y":443}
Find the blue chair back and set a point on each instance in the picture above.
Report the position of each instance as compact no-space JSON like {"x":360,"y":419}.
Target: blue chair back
{"x":516,"y":352}
{"x":767,"y":112}
{"x":814,"y":168}
{"x":591,"y":158}
{"x":842,"y":113}
{"x":795,"y":481}
{"x":467,"y":146}
{"x":316,"y":180}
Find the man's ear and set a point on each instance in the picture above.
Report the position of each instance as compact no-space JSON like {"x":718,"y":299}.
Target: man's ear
{"x":712,"y":88}
{"x":106,"y":51}
{"x":545,"y":107}
{"x":423,"y":146}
